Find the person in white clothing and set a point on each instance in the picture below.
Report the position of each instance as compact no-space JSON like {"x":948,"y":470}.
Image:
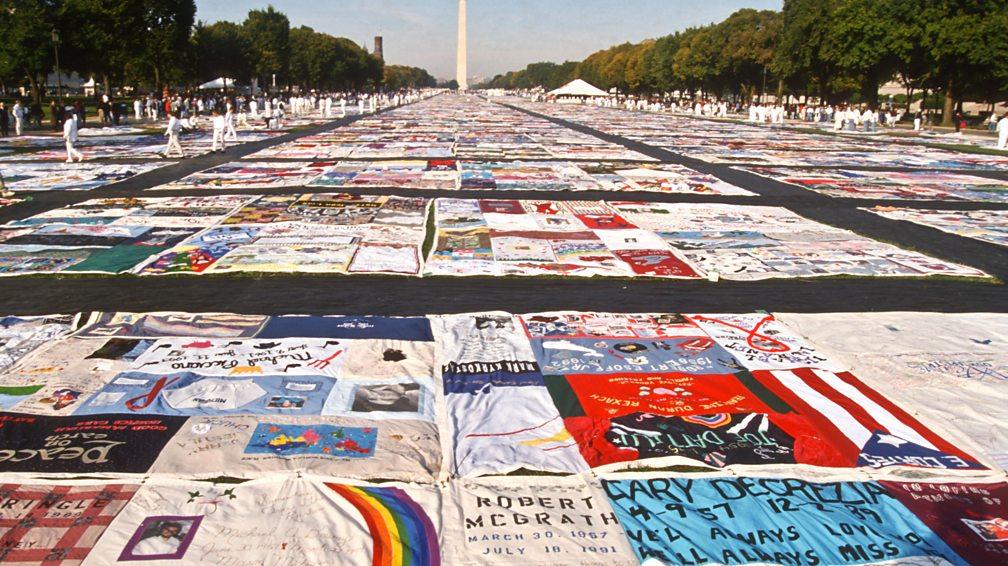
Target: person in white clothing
{"x":254,"y":108}
{"x":328,"y":106}
{"x":869,"y":120}
{"x":219,"y":127}
{"x":19,"y":115}
{"x":1002,"y":130}
{"x":229,"y":122}
{"x":70,"y":136}
{"x":173,"y":131}
{"x":342,"y":104}
{"x":137,"y":108}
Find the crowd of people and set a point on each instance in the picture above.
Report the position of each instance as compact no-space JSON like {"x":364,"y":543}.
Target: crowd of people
{"x":842,"y":117}
{"x":194,"y":111}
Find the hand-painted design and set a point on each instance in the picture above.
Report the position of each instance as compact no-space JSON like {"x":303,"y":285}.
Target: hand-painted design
{"x":402,"y":533}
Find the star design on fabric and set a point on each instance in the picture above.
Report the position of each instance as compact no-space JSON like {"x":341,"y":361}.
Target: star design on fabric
{"x":891,"y":440}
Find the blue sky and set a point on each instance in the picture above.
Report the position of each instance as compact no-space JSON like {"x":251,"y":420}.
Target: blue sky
{"x":503,"y":34}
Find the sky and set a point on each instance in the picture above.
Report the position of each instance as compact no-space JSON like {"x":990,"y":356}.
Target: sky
{"x":504,"y":35}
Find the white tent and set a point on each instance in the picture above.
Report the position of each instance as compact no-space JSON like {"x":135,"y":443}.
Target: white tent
{"x":577,"y":89}
{"x":90,"y":87}
{"x":219,"y":82}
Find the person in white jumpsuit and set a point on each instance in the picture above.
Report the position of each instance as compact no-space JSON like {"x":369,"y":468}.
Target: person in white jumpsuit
{"x":1002,"y":130}
{"x":229,"y":121}
{"x":173,"y":131}
{"x":70,"y":136}
{"x":219,"y":127}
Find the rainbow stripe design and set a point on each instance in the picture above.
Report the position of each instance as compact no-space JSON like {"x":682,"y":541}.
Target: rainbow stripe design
{"x":401,"y":531}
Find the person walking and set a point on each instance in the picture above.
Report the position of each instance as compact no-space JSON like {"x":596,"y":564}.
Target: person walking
{"x":1002,"y":130}
{"x":219,"y":126}
{"x":172,"y":132}
{"x":19,"y":115}
{"x":838,"y":123}
{"x":70,"y":137}
{"x":4,"y":121}
{"x":80,"y":113}
{"x":54,"y":115}
{"x":229,"y":121}
{"x":918,"y":119}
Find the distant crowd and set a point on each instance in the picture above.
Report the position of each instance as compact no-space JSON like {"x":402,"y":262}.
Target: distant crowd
{"x":185,"y":112}
{"x":21,"y":116}
{"x":843,"y":117}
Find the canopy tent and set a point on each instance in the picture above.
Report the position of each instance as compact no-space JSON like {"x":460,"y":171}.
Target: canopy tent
{"x":577,"y":89}
{"x":220,"y":82}
{"x":90,"y":87}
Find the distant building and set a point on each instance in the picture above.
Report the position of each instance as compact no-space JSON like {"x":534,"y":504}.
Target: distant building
{"x":379,"y":51}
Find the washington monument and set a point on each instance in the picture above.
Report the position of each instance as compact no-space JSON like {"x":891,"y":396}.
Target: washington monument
{"x":461,"y":68}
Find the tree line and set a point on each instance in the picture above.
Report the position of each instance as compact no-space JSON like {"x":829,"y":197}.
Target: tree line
{"x":832,"y":50}
{"x":152,"y":44}
{"x":400,"y":76}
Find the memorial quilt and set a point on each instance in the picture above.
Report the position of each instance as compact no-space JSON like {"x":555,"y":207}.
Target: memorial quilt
{"x":892,"y":185}
{"x":24,"y":177}
{"x":630,"y":239}
{"x":985,"y":225}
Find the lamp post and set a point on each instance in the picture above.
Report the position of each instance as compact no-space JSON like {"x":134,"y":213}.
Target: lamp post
{"x":59,"y":77}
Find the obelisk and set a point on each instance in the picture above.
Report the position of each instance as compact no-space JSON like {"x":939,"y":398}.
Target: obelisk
{"x":461,"y":67}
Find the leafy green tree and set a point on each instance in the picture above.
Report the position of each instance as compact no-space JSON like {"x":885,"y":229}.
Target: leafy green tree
{"x":860,"y":40}
{"x":549,"y":76}
{"x":799,"y":58}
{"x":967,"y":47}
{"x":26,"y":53}
{"x":107,"y":35}
{"x":268,"y":34}
{"x":399,"y":77}
{"x":221,"y":50}
{"x":698,"y":64}
{"x":167,"y":28}
{"x":749,"y":42}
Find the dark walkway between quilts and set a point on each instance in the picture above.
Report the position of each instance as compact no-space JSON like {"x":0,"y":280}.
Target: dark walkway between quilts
{"x":383,"y":295}
{"x":328,"y":294}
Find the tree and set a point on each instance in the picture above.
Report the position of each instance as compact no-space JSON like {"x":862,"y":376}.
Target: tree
{"x":399,"y":77}
{"x":109,"y":34}
{"x":549,"y":76}
{"x":799,"y":57}
{"x":860,"y":41}
{"x":967,"y":48}
{"x":268,"y":33}
{"x":26,"y":53}
{"x":749,"y":42}
{"x":167,"y":26}
{"x":222,"y":50}
{"x":659,"y":62}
